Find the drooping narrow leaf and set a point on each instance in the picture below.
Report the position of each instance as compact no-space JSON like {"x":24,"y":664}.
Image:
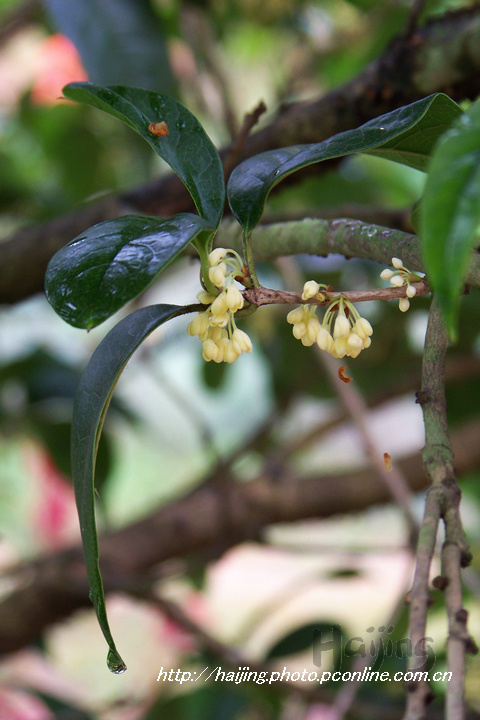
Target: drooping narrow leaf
{"x":111,"y":263}
{"x":90,"y":407}
{"x":119,"y":41}
{"x":406,"y":135}
{"x":186,"y":148}
{"x":450,"y":211}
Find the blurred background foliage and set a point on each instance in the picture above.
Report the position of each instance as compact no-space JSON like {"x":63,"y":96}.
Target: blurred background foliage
{"x":174,"y":415}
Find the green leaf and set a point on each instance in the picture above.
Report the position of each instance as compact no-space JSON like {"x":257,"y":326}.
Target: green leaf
{"x":119,"y":41}
{"x":187,"y":148}
{"x":110,"y":264}
{"x":450,"y":212}
{"x":406,"y":135}
{"x":91,"y":403}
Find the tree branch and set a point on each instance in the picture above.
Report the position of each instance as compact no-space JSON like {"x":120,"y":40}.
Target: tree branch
{"x":351,"y":238}
{"x":210,"y":519}
{"x":442,"y":502}
{"x":442,"y":56}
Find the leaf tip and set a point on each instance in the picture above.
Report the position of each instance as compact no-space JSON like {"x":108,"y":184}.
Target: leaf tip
{"x":115,"y":663}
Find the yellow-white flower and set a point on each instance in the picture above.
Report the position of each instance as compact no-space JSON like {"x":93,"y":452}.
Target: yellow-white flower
{"x":221,"y":340}
{"x":351,"y":333}
{"x":398,"y":278}
{"x":310,"y":289}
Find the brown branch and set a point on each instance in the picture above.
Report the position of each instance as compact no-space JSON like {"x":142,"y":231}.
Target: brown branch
{"x":213,"y":517}
{"x":237,"y":149}
{"x":418,"y":6}
{"x":402,"y":74}
{"x":442,"y":502}
{"x":265,"y":296}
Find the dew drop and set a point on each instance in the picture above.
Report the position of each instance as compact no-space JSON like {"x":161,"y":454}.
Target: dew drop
{"x":115,"y":663}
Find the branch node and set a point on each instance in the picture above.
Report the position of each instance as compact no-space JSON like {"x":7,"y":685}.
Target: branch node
{"x":440,"y":582}
{"x":421,"y":397}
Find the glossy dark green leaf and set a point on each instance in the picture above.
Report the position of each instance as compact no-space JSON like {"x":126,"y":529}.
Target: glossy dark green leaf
{"x":91,"y":403}
{"x":111,"y":263}
{"x":450,"y":211}
{"x":406,"y":135}
{"x":187,"y":148}
{"x":119,"y":41}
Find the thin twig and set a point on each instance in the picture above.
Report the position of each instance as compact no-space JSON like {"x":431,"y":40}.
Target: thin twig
{"x":237,"y":147}
{"x":416,"y":10}
{"x":357,"y":409}
{"x":265,"y":296}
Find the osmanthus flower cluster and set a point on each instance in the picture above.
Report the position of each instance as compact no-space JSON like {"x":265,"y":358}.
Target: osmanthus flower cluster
{"x":221,"y":340}
{"x":399,"y":277}
{"x":343,"y":331}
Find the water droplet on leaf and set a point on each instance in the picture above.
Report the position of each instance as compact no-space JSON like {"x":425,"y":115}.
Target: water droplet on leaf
{"x":115,"y":663}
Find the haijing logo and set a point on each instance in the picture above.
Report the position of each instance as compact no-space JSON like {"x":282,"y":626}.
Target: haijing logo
{"x":331,"y":648}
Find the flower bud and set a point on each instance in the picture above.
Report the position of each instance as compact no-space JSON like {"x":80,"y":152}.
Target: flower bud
{"x":230,"y":353}
{"x":217,"y":275}
{"x":324,"y":340}
{"x":295,"y":316}
{"x":411,"y":291}
{"x":205,"y":298}
{"x":396,"y":281}
{"x":341,"y":328}
{"x":242,"y":340}
{"x":397,"y":263}
{"x":209,"y":350}
{"x":340,"y":347}
{"x":310,"y":289}
{"x":299,"y":330}
{"x":219,"y":305}
{"x":199,"y":325}
{"x":234,"y":298}
{"x":386,"y":274}
{"x":354,"y":342}
{"x":313,"y":328}
{"x":216,"y":255}
{"x":404,"y":304}
{"x":363,"y":328}
{"x":220,"y":320}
